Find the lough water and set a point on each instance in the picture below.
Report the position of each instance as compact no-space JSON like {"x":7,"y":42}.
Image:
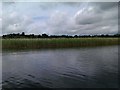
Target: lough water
{"x":61,"y":68}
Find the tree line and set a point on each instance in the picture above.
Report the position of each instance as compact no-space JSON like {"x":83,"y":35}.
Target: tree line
{"x":23,"y":35}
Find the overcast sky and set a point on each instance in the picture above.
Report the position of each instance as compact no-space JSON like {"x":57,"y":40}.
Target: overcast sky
{"x":60,"y":18}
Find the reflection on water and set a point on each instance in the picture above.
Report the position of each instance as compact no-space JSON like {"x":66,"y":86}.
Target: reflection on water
{"x":61,"y":68}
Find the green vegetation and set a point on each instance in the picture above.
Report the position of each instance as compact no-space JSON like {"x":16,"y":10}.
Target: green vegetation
{"x":38,"y":43}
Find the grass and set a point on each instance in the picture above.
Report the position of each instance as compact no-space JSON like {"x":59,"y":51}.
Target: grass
{"x":56,"y":43}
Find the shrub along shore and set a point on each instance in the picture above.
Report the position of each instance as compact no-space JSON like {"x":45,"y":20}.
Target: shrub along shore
{"x":44,"y":43}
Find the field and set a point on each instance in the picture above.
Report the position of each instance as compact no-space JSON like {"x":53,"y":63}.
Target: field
{"x":24,"y":43}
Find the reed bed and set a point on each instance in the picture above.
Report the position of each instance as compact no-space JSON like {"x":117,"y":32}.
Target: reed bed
{"x":23,"y":43}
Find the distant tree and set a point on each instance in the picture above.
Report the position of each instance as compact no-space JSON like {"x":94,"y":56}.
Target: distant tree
{"x":23,"y":34}
{"x":39,"y":36}
{"x":44,"y":35}
{"x":116,"y":35}
{"x":31,"y":36}
{"x":75,"y":36}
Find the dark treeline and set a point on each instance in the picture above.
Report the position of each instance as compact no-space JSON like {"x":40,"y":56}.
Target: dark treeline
{"x":22,"y":35}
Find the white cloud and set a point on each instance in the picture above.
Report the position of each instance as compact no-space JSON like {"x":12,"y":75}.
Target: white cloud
{"x":58,"y":18}
{"x":91,"y":19}
{"x":14,"y":22}
{"x":37,"y":28}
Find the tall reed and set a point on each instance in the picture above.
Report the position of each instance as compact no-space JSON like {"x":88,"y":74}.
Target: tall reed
{"x":56,"y":43}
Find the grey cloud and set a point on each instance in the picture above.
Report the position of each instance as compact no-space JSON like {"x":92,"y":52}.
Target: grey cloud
{"x":92,"y":18}
{"x":75,"y":4}
{"x":49,"y":5}
{"x":88,"y":15}
{"x":107,"y":5}
{"x":8,"y":3}
{"x":100,"y":5}
{"x":83,"y":20}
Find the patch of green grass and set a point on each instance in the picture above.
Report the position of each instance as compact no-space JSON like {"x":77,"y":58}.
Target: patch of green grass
{"x":56,"y":43}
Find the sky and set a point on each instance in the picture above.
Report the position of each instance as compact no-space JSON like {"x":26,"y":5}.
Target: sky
{"x":56,"y":18}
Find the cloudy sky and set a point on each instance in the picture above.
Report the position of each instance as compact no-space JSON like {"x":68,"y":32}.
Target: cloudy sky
{"x":60,"y":17}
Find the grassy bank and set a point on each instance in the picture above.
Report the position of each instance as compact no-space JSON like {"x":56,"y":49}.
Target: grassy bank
{"x":56,"y":43}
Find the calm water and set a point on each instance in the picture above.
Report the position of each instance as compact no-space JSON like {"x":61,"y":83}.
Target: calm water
{"x":61,"y":68}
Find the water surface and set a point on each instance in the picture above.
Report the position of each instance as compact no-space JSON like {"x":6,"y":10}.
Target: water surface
{"x":61,"y":68}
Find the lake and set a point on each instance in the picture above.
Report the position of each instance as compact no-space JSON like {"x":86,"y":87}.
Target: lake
{"x":61,"y":68}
